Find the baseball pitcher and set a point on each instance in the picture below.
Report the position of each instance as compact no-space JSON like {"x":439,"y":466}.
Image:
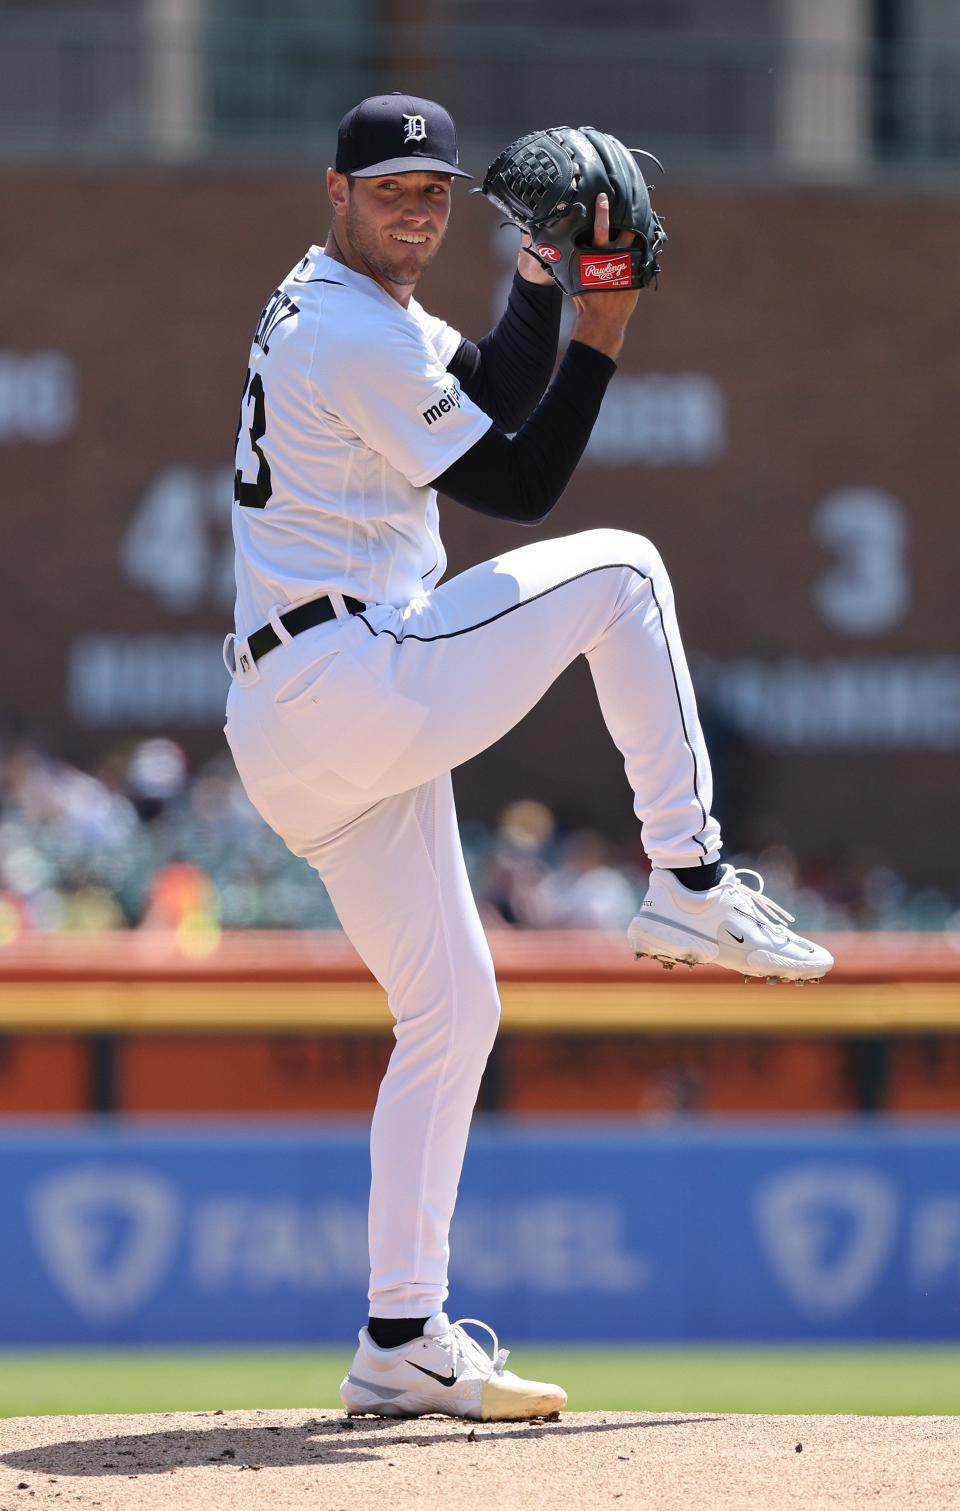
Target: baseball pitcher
{"x":360,"y":677}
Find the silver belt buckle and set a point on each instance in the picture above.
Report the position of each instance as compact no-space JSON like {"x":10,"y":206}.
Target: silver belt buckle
{"x":243,"y":669}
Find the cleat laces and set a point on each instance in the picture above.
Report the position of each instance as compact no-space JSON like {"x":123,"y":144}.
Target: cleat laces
{"x":776,"y":916}
{"x":470,"y":1348}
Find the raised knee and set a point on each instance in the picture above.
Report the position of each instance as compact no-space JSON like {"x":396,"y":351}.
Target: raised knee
{"x":609,"y":547}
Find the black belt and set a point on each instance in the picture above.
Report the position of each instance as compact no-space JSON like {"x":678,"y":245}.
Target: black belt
{"x":295,"y":621}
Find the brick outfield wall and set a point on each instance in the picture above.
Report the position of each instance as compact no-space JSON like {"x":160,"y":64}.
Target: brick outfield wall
{"x":818,"y":318}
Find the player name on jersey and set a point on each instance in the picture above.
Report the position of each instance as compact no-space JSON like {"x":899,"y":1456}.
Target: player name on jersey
{"x":278,"y":307}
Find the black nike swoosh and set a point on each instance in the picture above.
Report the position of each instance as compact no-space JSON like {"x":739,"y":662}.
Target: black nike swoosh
{"x":440,"y":1379}
{"x":737,"y":937}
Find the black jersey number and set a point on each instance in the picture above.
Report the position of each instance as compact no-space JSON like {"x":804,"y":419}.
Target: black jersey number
{"x":250,"y":432}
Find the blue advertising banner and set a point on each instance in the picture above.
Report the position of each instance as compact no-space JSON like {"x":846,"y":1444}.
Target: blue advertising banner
{"x":129,"y":1234}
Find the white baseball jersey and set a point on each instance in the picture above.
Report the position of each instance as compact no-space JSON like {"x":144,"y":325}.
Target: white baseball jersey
{"x":348,"y":413}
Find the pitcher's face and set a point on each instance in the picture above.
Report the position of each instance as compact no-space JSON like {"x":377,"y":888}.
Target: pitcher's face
{"x":393,"y":224}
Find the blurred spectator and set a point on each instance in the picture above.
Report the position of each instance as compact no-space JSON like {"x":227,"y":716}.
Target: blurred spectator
{"x":146,"y":843}
{"x":180,"y":895}
{"x":585,"y":890}
{"x":516,"y":862}
{"x":157,"y":775}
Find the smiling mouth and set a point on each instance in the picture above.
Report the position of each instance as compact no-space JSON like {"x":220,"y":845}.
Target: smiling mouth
{"x":411,"y":238}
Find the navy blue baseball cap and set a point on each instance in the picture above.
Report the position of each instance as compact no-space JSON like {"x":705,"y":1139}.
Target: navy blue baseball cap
{"x":397,"y":133}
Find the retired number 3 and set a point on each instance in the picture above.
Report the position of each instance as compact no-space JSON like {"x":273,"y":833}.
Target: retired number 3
{"x":250,"y":459}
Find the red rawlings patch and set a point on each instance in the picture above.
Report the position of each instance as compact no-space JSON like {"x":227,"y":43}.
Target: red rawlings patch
{"x":605,"y":270}
{"x":549,"y":253}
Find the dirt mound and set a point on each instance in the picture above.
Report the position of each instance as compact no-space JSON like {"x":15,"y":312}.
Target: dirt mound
{"x":252,"y":1460}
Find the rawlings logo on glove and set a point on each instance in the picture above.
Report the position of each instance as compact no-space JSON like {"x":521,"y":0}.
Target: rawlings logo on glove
{"x":606,"y":272}
{"x":547,"y":184}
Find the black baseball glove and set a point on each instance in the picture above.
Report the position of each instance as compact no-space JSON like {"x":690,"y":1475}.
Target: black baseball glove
{"x":547,"y":184}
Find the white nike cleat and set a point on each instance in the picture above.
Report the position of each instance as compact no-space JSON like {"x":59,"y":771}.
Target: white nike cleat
{"x":732,"y":925}
{"x":445,"y":1371}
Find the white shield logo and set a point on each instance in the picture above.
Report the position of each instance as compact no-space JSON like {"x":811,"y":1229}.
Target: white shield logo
{"x":73,"y":1216}
{"x":798,"y":1215}
{"x":415,"y":128}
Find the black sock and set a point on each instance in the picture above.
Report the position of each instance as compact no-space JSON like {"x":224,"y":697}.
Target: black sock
{"x":390,"y":1332}
{"x":698,"y":878}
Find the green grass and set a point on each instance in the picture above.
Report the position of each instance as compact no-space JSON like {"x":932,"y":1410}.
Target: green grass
{"x":880,"y":1381}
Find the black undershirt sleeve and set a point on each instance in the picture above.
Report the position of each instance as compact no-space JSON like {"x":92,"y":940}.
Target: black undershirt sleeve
{"x":506,"y":373}
{"x":521,"y":478}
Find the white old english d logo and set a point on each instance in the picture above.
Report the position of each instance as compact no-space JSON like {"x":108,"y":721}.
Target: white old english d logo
{"x":415,"y":128}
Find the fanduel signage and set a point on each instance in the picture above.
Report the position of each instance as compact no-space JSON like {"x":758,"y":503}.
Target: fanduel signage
{"x":248,"y":1235}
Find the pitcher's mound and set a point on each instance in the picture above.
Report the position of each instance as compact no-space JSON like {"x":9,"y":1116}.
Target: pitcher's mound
{"x":321,"y":1461}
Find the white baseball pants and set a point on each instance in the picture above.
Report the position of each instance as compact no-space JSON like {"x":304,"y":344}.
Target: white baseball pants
{"x":344,"y":738}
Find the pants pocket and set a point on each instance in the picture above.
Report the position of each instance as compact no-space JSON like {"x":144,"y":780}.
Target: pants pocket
{"x":341,"y":717}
